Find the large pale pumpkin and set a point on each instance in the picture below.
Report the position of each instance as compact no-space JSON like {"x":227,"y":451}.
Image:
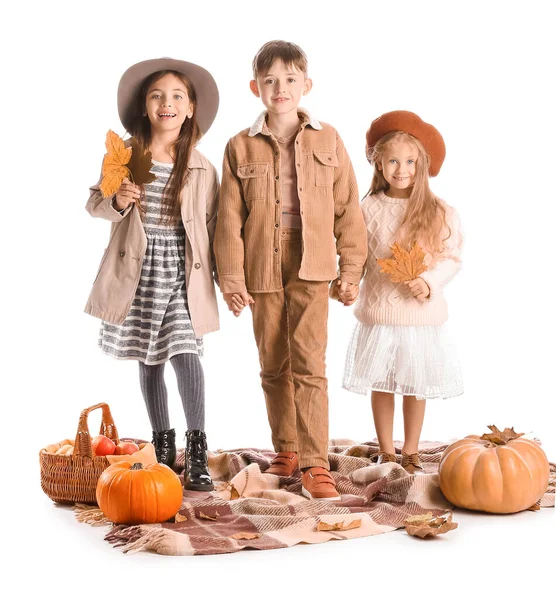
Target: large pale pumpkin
{"x":133,"y":494}
{"x":499,"y":472}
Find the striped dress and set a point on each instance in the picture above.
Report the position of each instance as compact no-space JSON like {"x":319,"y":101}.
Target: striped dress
{"x":158,"y":325}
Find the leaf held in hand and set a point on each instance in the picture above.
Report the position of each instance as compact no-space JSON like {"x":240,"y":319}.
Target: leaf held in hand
{"x":426,"y":525}
{"x":114,"y":169}
{"x":140,"y":165}
{"x":404,"y":266}
{"x":243,"y":535}
{"x":499,"y":438}
{"x":341,"y":526}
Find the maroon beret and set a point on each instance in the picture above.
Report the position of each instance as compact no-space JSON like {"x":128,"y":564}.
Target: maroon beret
{"x":408,"y":122}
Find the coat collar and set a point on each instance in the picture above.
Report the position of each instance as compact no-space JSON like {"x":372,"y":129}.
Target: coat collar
{"x":259,"y":126}
{"x":196,"y":160}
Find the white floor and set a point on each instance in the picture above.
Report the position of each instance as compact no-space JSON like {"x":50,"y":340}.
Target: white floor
{"x":511,"y":556}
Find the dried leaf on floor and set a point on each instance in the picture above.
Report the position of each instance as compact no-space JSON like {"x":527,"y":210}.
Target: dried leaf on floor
{"x":243,"y":535}
{"x":404,"y":266}
{"x":202,"y":515}
{"x":179,"y":518}
{"x":228,"y":487}
{"x":426,"y":525}
{"x":341,"y":526}
{"x":358,"y":452}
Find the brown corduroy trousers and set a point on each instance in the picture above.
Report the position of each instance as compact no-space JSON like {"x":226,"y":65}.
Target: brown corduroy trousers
{"x":290,"y":329}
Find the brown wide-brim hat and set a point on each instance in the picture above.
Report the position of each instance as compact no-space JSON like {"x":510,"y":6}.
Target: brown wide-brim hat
{"x":202,"y":81}
{"x":408,"y":122}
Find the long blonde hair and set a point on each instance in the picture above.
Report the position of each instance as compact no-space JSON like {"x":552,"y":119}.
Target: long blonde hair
{"x":425,"y":216}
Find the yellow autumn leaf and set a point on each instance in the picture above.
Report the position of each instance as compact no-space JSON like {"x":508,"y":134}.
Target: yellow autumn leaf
{"x":114,"y":169}
{"x":404,"y":266}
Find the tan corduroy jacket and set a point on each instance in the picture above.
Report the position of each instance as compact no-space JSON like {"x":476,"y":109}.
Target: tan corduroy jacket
{"x":247,"y":239}
{"x":120,"y":269}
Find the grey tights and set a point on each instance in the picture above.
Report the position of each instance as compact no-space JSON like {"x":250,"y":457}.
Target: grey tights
{"x":191,"y":386}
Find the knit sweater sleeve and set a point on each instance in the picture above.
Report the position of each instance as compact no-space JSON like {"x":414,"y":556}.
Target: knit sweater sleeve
{"x":448,"y":264}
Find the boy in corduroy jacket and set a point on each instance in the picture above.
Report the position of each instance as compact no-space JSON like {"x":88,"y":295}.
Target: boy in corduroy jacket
{"x":288,"y":205}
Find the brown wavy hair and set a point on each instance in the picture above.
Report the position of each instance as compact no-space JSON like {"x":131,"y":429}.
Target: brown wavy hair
{"x":425,"y":216}
{"x":182,"y":148}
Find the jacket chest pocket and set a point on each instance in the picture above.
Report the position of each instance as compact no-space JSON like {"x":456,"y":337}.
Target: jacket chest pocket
{"x":324,"y":167}
{"x":254,"y":180}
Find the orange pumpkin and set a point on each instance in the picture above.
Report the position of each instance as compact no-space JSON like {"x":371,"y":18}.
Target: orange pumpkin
{"x":499,"y":472}
{"x":135,"y":494}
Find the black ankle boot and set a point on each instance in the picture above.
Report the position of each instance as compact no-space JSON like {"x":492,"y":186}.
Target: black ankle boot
{"x":165,"y":446}
{"x":197,"y":476}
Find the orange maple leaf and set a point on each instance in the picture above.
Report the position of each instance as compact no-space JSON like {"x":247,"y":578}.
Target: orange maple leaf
{"x":114,"y":168}
{"x":405,"y":266}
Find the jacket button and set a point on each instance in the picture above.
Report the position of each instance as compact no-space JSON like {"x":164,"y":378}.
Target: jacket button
{"x":300,"y":189}
{"x":122,"y":253}
{"x":276,"y":225}
{"x":197,"y":265}
{"x":277,"y":201}
{"x":329,"y":158}
{"x":277,"y":177}
{"x":275,"y":249}
{"x":251,"y":170}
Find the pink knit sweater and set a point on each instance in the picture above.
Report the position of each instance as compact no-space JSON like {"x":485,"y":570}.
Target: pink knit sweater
{"x":380,"y":300}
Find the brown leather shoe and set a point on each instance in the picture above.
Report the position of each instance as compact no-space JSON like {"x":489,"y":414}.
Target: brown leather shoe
{"x":318,"y":484}
{"x":411,"y":463}
{"x":284,"y":464}
{"x":384,"y":457}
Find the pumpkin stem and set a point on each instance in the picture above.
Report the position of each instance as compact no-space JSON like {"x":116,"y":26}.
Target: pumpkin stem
{"x":500,"y":438}
{"x":136,"y":467}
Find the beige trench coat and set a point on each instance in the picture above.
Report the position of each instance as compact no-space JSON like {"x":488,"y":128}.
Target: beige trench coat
{"x":120,"y":269}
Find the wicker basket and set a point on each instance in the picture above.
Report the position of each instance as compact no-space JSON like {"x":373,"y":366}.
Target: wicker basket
{"x":70,"y":479}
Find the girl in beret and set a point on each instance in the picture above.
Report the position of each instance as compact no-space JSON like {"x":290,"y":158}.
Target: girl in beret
{"x":400,"y":345}
{"x":155,"y":287}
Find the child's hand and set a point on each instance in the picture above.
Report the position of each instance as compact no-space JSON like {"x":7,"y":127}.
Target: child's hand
{"x":347,"y":292}
{"x":128,"y":193}
{"x":419,"y":289}
{"x":238,"y":301}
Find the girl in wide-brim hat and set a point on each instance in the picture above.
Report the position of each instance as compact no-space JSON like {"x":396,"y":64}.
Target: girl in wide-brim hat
{"x":155,"y":288}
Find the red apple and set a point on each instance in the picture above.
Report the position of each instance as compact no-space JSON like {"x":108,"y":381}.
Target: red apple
{"x":126,"y":448}
{"x":103,"y":445}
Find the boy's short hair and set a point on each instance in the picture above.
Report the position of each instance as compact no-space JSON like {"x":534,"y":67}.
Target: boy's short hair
{"x":288,"y":53}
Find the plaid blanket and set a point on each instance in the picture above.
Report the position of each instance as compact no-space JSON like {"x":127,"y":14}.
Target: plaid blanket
{"x":252,"y":510}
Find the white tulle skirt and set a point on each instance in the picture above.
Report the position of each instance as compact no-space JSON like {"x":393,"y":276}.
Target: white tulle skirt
{"x":409,"y":360}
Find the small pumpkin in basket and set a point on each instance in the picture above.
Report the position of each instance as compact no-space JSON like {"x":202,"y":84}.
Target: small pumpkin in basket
{"x":136,"y":493}
{"x":499,"y":472}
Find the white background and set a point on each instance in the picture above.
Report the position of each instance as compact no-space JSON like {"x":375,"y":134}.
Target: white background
{"x":482,"y":73}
